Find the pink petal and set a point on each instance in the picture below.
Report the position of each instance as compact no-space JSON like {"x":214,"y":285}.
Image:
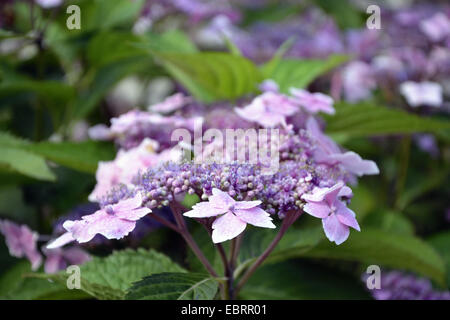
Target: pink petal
{"x":60,"y":241}
{"x":204,"y":210}
{"x":255,"y":216}
{"x":128,"y":204}
{"x":220,"y":199}
{"x":324,"y":194}
{"x":347,"y":216}
{"x":335,"y":230}
{"x":227,"y":227}
{"x":134,"y":214}
{"x":247,"y":204}
{"x":100,"y":222}
{"x":317,"y":209}
{"x":353,"y":163}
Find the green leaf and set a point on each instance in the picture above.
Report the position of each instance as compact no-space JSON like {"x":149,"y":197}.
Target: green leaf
{"x":106,"y":14}
{"x":108,"y":47}
{"x":111,"y":277}
{"x":81,"y":156}
{"x":29,"y":158}
{"x":103,"y":79}
{"x":174,"y":286}
{"x":174,"y":41}
{"x":293,"y":280}
{"x":26,"y":163}
{"x":212,"y":76}
{"x":343,"y":12}
{"x":368,"y":120}
{"x":294,"y":243}
{"x":441,"y":242}
{"x":390,"y":221}
{"x":299,"y":73}
{"x":15,"y":286}
{"x":386,"y":249}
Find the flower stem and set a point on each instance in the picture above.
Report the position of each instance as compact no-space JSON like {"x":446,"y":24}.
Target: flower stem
{"x":287,"y":222}
{"x":165,"y":222}
{"x":177,"y":213}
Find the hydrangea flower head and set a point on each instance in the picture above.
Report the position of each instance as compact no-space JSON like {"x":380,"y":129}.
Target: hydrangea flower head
{"x":324,"y":203}
{"x":21,"y":242}
{"x":313,"y":102}
{"x":114,"y":221}
{"x":129,"y":163}
{"x":234,"y":215}
{"x":268,"y":109}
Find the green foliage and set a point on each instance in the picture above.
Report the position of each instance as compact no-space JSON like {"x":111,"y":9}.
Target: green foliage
{"x":15,"y":285}
{"x":174,"y":286}
{"x":212,"y":76}
{"x":26,"y":163}
{"x":365,"y":119}
{"x":390,"y":221}
{"x":441,"y":242}
{"x":111,"y":277}
{"x":299,"y":73}
{"x":30,"y":158}
{"x":373,"y":246}
{"x":80,"y":156}
{"x":293,"y":280}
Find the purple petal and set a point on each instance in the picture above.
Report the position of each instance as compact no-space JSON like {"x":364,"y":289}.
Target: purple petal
{"x":204,"y":210}
{"x":255,"y":216}
{"x":353,"y":163}
{"x":335,"y":230}
{"x":54,"y":261}
{"x":128,"y":204}
{"x":76,"y":256}
{"x":60,"y":241}
{"x":102,"y":223}
{"x":227,"y":227}
{"x":317,"y":209}
{"x":220,"y":199}
{"x":247,"y":204}
{"x":347,"y":216}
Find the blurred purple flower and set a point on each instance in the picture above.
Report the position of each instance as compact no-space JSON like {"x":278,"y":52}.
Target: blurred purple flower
{"x":21,"y":242}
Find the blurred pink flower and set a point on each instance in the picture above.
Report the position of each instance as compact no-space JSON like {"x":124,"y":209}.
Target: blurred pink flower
{"x":46,"y":4}
{"x":422,"y":93}
{"x":21,"y":242}
{"x":313,"y":102}
{"x":437,"y":27}
{"x":358,"y":81}
{"x":269,"y":85}
{"x":336,"y":218}
{"x":170,"y":104}
{"x":113,"y":222}
{"x":58,"y":259}
{"x":235,"y":215}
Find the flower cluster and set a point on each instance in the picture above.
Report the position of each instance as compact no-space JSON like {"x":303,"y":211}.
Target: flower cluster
{"x":310,"y":165}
